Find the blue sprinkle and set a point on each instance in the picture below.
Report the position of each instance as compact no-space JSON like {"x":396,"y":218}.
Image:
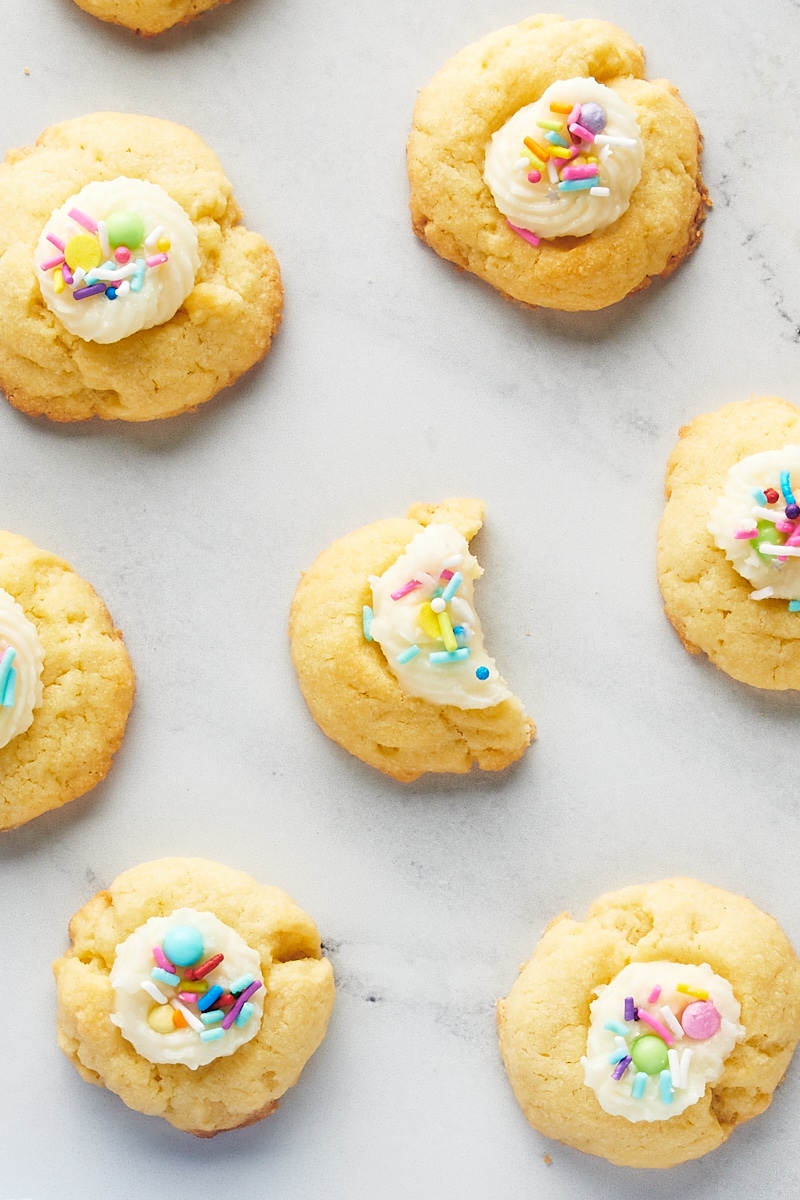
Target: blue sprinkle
{"x":165,"y":976}
{"x":111,"y":293}
{"x":212,"y":995}
{"x":794,"y":606}
{"x":618,"y":1055}
{"x":617,"y":1027}
{"x":577,"y":185}
{"x":759,"y":496}
{"x":452,"y":587}
{"x":447,"y":656}
{"x":240,"y":984}
{"x":406,"y":655}
{"x":10,"y":690}
{"x":786,"y":488}
{"x":482,"y":672}
{"x":6,"y":664}
{"x":637,"y":1091}
{"x":666,"y":1087}
{"x":366,"y":622}
{"x":212,"y":1035}
{"x":245,"y":1014}
{"x":555,"y":139}
{"x":138,"y":280}
{"x":212,"y":1018}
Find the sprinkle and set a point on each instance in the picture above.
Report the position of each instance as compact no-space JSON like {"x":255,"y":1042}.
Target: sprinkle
{"x":405,"y":589}
{"x":240,"y":1003}
{"x":191,"y":1019}
{"x":602,"y":139}
{"x":446,"y":631}
{"x":637,"y":1091}
{"x":552,"y":171}
{"x":111,"y":272}
{"x":445,"y":575}
{"x":665,"y":1083}
{"x":438,"y":604}
{"x":585,"y":135}
{"x":534,"y":176}
{"x":154,"y":992}
{"x":212,"y":1018}
{"x":188,"y":997}
{"x":51,"y":263}
{"x":784,"y":526}
{"x":792,"y":512}
{"x":574,"y":115}
{"x":575,"y":185}
{"x":671,"y":1020}
{"x":482,"y":673}
{"x":366,"y":622}
{"x":674,"y":1068}
{"x":455,"y":560}
{"x":162,"y":960}
{"x":179,"y":1020}
{"x":445,"y":656}
{"x":102,"y":234}
{"x":84,"y":293}
{"x":555,"y":139}
{"x":656,"y":1026}
{"x":542,"y":152}
{"x":687,"y":990}
{"x":524,"y":233}
{"x":599,"y":191}
{"x":686,"y":1058}
{"x":406,"y":655}
{"x":762,"y":594}
{"x":794,"y":606}
{"x":759,"y":496}
{"x":122,"y":255}
{"x":212,"y":1035}
{"x":138,"y":280}
{"x":461,"y":611}
{"x":587,"y":172}
{"x":561,"y":108}
{"x":81,"y":218}
{"x":766,"y":516}
{"x":452,"y":587}
{"x":245,"y":1015}
{"x":164,"y":244}
{"x":205,"y":1002}
{"x":535,"y":162}
{"x":616,"y":1027}
{"x":224,"y":1000}
{"x":553,"y":126}
{"x":622,"y":1067}
{"x":241,"y":983}
{"x":629,"y":1007}
{"x":746,"y":535}
{"x":152,"y":238}
{"x":656,"y":992}
{"x":165,"y":976}
{"x":780,"y":551}
{"x":155,"y":260}
{"x":205,"y":968}
{"x":56,"y":241}
{"x":771,"y":495}
{"x":6,"y":667}
{"x":10,"y":690}
{"x":123,"y":288}
{"x":786,"y":488}
{"x":194,"y":989}
{"x":522,"y":164}
{"x":59,"y":282}
{"x":617,"y":1055}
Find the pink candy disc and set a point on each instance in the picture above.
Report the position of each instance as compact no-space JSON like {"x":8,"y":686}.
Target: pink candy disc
{"x":700,"y":1020}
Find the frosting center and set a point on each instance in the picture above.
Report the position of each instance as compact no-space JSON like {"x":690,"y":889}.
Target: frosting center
{"x":21,"y":662}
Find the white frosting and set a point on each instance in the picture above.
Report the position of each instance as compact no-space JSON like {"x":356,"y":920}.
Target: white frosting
{"x":707,"y":1056}
{"x":165,"y":287}
{"x":738,"y":510}
{"x":132,"y":966}
{"x":540,"y":207}
{"x":20,"y":634}
{"x":396,"y":623}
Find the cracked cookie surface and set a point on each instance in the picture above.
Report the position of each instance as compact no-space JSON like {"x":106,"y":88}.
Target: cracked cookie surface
{"x":230,"y":1092}
{"x":475,"y":94}
{"x":224,"y":326}
{"x":88,"y":686}
{"x":543,"y":1024}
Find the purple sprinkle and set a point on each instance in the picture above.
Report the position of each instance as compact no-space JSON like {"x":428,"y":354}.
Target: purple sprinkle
{"x":629,"y":1009}
{"x":636,"y":1014}
{"x":621,"y":1067}
{"x":241,"y":1000}
{"x":84,"y":293}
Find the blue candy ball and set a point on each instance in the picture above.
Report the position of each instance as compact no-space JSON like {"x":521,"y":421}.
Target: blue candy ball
{"x":593,"y":117}
{"x":183,"y":946}
{"x":482,"y":672}
{"x":111,"y":293}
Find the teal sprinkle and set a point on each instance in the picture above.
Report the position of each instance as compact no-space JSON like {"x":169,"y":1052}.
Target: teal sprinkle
{"x":665,"y":1083}
{"x":618,"y":1055}
{"x":446,"y":656}
{"x":162,"y":976}
{"x":452,"y":587}
{"x":406,"y":655}
{"x":240,"y":984}
{"x":794,"y":606}
{"x":366,"y":622}
{"x":617,"y":1027}
{"x":555,"y":139}
{"x":212,"y":1018}
{"x":577,"y":185}
{"x":637,"y":1091}
{"x":10,"y":690}
{"x":759,"y":496}
{"x":212,"y":1035}
{"x":245,"y":1014}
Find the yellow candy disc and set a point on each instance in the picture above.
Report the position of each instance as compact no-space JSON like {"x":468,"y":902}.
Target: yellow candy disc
{"x":160,"y":1018}
{"x":83,"y":251}
{"x":429,"y":621}
{"x":164,"y":244}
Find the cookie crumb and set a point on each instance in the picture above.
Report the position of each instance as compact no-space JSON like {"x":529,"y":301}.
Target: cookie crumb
{"x":547,"y":1160}
{"x":26,"y":70}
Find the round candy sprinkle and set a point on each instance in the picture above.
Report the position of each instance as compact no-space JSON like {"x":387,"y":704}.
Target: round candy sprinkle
{"x":122,"y":255}
{"x":438,"y":604}
{"x":650,"y":1054}
{"x":593,"y":117}
{"x":183,"y":945}
{"x":700,"y":1020}
{"x":83,"y":251}
{"x":111,"y":293}
{"x":163,"y":244}
{"x":793,"y":511}
{"x":160,"y":1018}
{"x":767,"y":533}
{"x":771,"y":495}
{"x":125,"y":229}
{"x":482,"y":672}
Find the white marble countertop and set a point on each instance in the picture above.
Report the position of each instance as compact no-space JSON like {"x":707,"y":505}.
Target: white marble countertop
{"x":394,"y":379}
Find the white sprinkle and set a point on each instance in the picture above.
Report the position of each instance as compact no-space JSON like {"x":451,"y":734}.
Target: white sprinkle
{"x":551,"y":171}
{"x":461,"y":611}
{"x":153,"y":991}
{"x":455,"y":560}
{"x":603,"y":139}
{"x":605,"y":154}
{"x":78,"y":275}
{"x":522,"y":164}
{"x":123,"y":288}
{"x":102,"y":233}
{"x":762,"y":594}
{"x":686,"y":1058}
{"x":100,"y":273}
{"x":672,"y":1021}
{"x":674,"y":1068}
{"x":153,"y":237}
{"x":768,"y":548}
{"x":767,"y":514}
{"x":599,"y":191}
{"x":438,"y":604}
{"x":191,"y":1019}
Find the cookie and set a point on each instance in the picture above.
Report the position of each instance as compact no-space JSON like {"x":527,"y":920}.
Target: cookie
{"x":542,"y":160}
{"x":389,"y":651}
{"x":130,"y":289}
{"x":729,"y":541}
{"x":194,"y":993}
{"x":66,"y":683}
{"x":148,"y":17}
{"x":646,"y":1033}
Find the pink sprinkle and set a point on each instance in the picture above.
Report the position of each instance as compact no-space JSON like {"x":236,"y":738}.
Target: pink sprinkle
{"x":163,"y":961}
{"x":81,"y":218}
{"x":784,"y":526}
{"x":746,"y":535}
{"x":524,"y":233}
{"x":446,"y":574}
{"x":587,"y":172}
{"x":69,"y":278}
{"x":122,"y":255}
{"x":585,"y":135}
{"x":51,"y":262}
{"x":188,"y":997}
{"x":534,"y":176}
{"x":656,"y":1026}
{"x":156,"y":260}
{"x":405,"y":589}
{"x":794,"y":538}
{"x":56,"y":241}
{"x":574,"y":116}
{"x":656,"y":992}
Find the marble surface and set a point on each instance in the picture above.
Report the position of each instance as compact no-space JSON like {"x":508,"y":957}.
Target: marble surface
{"x":395,"y":379}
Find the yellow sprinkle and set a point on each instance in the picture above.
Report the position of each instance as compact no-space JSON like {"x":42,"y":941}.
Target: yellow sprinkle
{"x":536,"y":162}
{"x":83,"y":251}
{"x":164,"y":244}
{"x":700,"y":993}
{"x":193,"y":985}
{"x":553,"y":126}
{"x":429,"y":621}
{"x":446,"y":631}
{"x":58,"y":281}
{"x":592,"y":158}
{"x":535,"y":148}
{"x":160,"y":1019}
{"x":561,"y":108}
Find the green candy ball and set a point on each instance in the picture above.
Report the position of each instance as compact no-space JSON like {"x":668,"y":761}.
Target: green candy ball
{"x":767,"y":533}
{"x":649,"y":1054}
{"x":125,"y":229}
